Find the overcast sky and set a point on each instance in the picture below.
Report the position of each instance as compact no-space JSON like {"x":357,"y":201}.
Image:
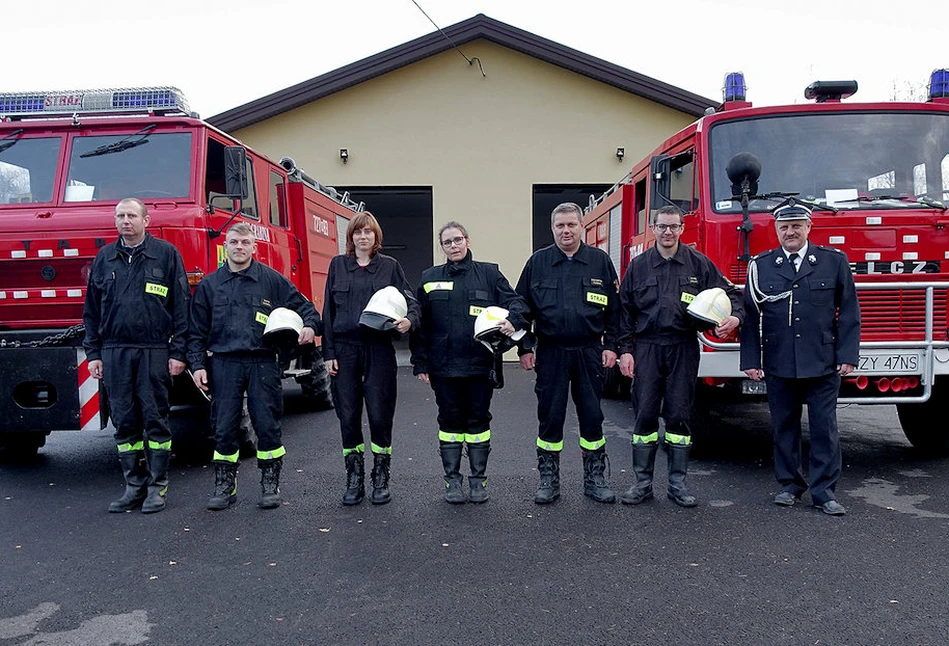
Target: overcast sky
{"x":224,"y":53}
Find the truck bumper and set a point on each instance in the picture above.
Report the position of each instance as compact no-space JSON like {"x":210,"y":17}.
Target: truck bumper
{"x":48,"y":389}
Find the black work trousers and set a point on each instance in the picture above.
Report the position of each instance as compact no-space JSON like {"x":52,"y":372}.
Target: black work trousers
{"x":464,"y":408}
{"x":786,"y":398}
{"x":577,"y":370}
{"x":664,"y":383}
{"x":137,"y":382}
{"x":367,"y":371}
{"x":259,"y":375}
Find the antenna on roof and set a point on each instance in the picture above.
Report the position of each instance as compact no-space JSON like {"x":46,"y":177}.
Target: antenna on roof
{"x":470,"y":60}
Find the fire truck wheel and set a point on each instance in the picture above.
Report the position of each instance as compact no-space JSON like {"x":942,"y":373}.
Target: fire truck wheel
{"x":316,"y":385}
{"x":920,"y":421}
{"x":615,"y":385}
{"x":21,"y":446}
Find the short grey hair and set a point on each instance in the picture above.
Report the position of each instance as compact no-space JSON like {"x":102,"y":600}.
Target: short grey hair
{"x":134,"y":200}
{"x":566,"y":207}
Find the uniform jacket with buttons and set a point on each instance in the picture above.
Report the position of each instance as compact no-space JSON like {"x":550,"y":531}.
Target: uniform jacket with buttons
{"x":813,"y":330}
{"x":656,"y":293}
{"x":230,"y":308}
{"x":137,"y":298}
{"x":348,"y":290}
{"x":573,"y":303}
{"x":451,"y":296}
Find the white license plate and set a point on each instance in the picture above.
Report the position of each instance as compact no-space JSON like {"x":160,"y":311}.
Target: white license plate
{"x":890,"y":363}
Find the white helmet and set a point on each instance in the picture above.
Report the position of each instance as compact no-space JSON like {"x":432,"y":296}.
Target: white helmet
{"x":386,"y":306}
{"x":282,"y":324}
{"x":487,"y":329}
{"x":711,"y":306}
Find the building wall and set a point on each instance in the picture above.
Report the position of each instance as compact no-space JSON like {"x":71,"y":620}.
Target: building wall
{"x":480,"y":142}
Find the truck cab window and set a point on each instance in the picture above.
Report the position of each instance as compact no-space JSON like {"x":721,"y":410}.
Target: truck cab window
{"x":143,"y":165}
{"x":28,"y":169}
{"x":278,"y":200}
{"x":214,"y":183}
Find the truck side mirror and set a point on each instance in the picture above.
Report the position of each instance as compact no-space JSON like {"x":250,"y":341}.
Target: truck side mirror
{"x":235,"y":172}
{"x":659,"y":185}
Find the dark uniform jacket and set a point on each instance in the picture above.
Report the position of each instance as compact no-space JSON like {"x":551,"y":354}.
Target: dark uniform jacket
{"x":229,"y":311}
{"x":137,"y":298}
{"x":573,"y":303}
{"x":802,"y":335}
{"x":348,"y":290}
{"x":451,"y":296}
{"x":657,"y":292}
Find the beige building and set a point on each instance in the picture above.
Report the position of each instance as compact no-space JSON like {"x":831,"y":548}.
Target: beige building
{"x":422,"y":136}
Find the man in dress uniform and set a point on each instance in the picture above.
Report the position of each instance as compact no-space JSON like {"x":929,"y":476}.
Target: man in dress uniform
{"x":658,"y":346}
{"x":571,"y":292}
{"x":801,"y":335}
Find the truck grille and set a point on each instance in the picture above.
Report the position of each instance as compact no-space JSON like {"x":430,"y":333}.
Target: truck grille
{"x":34,"y":273}
{"x":888,"y":315}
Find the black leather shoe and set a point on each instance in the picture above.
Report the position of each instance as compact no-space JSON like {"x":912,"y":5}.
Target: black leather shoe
{"x":785,"y":499}
{"x":832,"y":508}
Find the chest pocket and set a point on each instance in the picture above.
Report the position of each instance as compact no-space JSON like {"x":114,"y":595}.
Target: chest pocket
{"x":594,"y":293}
{"x":822,"y":291}
{"x":646,"y":294}
{"x":478,"y":299}
{"x":155,"y":283}
{"x":688,"y":288}
{"x":545,"y":294}
{"x":260,"y":308}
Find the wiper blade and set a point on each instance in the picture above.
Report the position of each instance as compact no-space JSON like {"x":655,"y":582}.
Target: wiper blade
{"x":9,"y":141}
{"x":906,"y":199}
{"x":122,"y":144}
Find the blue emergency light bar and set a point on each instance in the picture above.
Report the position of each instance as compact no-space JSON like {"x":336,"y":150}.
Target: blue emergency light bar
{"x":735,"y":89}
{"x":939,"y":84}
{"x":151,"y":99}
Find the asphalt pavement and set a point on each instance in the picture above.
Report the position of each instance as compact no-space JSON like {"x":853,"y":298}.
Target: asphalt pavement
{"x":735,"y":570}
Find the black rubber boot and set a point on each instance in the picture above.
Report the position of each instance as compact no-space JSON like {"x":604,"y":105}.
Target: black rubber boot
{"x":678,"y":467}
{"x":477,"y":481}
{"x":355,"y":479}
{"x":136,"y":482}
{"x":270,"y":483}
{"x":380,"y":479}
{"x":595,"y":483}
{"x":548,"y":465}
{"x":225,"y":486}
{"x":451,"y":461}
{"x":157,"y":480}
{"x":644,"y":461}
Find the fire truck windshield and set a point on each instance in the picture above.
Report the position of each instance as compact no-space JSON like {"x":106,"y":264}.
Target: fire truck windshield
{"x":850,"y":160}
{"x":108,"y":168}
{"x":28,"y":169}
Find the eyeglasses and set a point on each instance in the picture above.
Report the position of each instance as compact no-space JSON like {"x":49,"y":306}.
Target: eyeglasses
{"x":675,"y":228}
{"x":454,"y":241}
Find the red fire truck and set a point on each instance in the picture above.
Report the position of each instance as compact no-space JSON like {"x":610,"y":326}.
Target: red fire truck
{"x":878,"y":177}
{"x":66,"y":158}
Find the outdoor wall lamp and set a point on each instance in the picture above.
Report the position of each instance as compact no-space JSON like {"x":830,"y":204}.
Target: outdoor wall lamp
{"x":620,"y":153}
{"x":344,"y":154}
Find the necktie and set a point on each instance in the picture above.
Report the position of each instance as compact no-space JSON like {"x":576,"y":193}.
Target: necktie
{"x":794,"y":257}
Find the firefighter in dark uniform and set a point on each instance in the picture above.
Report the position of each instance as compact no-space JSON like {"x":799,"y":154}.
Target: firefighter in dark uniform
{"x":658,"y":347}
{"x":136,"y":319}
{"x":446,"y":355}
{"x":571,"y":294}
{"x":802,"y":336}
{"x":361,"y":360}
{"x":228,"y":316}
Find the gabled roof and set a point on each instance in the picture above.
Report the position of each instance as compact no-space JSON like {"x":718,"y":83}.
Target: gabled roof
{"x":479,"y":27}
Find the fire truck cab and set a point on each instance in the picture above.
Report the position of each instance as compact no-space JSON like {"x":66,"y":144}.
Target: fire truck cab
{"x":877,"y":175}
{"x":66,"y":159}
